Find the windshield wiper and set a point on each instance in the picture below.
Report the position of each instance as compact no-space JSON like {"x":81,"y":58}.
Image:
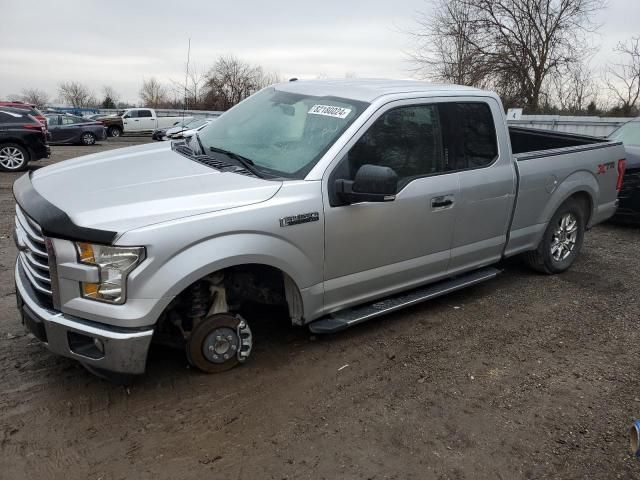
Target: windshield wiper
{"x":244,"y":161}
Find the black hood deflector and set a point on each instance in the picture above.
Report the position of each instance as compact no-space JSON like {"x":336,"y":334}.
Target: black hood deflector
{"x":53,"y":221}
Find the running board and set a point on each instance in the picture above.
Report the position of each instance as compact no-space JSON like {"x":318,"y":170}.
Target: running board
{"x":352,"y":316}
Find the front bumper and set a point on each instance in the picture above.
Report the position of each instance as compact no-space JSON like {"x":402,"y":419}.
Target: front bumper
{"x":96,"y":345}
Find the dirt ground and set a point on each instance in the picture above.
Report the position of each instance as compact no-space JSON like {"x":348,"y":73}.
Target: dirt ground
{"x":525,"y":376}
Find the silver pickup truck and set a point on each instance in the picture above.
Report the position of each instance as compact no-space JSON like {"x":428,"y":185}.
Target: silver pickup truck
{"x":337,"y":200}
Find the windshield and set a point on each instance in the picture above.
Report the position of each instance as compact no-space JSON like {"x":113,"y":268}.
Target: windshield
{"x":196,"y":123}
{"x":282,"y":133}
{"x":629,"y":134}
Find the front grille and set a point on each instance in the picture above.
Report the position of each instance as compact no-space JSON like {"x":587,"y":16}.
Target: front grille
{"x":33,"y":255}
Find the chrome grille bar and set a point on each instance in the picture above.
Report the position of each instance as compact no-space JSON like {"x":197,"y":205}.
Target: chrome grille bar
{"x":33,"y":257}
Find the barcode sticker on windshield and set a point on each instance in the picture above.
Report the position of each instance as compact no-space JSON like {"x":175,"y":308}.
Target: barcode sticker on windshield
{"x":330,"y":111}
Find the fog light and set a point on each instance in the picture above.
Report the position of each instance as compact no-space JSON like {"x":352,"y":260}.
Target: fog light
{"x":85,"y":345}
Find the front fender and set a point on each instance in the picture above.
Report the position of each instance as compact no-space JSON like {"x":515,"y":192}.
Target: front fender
{"x":169,"y":277}
{"x":239,"y":249}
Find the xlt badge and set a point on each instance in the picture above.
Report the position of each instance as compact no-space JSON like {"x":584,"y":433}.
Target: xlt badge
{"x":298,"y":219}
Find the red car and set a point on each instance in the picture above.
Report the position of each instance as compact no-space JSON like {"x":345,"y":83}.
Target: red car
{"x":33,"y":111}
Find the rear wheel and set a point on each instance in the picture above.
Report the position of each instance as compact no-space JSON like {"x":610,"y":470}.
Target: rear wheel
{"x":562,"y":240}
{"x":88,"y":138}
{"x":219,"y":343}
{"x":114,"y":132}
{"x":13,"y":157}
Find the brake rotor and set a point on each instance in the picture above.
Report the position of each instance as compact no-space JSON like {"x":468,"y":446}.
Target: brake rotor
{"x":219,"y":343}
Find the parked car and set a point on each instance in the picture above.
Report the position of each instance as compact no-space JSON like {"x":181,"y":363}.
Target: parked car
{"x":160,"y":134}
{"x":32,"y":109}
{"x":22,"y":139}
{"x":338,"y":200}
{"x":629,"y":197}
{"x":140,"y":120}
{"x":190,"y":129}
{"x":75,"y":130}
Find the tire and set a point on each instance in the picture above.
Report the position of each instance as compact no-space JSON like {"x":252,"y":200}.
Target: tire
{"x":114,"y":132}
{"x":13,"y":157}
{"x":562,"y":240}
{"x":88,"y":138}
{"x":219,"y":343}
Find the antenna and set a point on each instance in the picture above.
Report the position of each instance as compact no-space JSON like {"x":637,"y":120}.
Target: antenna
{"x":186,"y":80}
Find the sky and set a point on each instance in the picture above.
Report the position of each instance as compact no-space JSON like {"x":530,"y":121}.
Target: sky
{"x":120,"y":43}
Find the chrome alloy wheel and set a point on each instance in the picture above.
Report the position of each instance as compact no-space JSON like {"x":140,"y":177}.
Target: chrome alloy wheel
{"x":11,"y":158}
{"x":88,"y":139}
{"x":564,"y":237}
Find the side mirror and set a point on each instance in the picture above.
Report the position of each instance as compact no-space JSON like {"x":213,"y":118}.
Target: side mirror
{"x":372,"y":183}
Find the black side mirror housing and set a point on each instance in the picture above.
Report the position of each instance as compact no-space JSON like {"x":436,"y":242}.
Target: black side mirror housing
{"x":372,"y":183}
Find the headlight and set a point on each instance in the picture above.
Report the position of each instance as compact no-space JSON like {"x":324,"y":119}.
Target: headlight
{"x":114,"y":265}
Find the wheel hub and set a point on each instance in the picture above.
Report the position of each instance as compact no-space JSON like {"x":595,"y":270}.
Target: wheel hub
{"x":220,"y":345}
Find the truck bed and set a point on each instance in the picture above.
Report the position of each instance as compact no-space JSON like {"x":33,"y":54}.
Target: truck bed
{"x":529,"y":140}
{"x":551,"y":166}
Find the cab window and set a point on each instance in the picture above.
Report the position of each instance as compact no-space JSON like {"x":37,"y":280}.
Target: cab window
{"x":422,"y":140}
{"x":406,"y":139}
{"x":469,"y":134}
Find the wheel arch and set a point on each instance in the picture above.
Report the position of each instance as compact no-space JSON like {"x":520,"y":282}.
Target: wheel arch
{"x":18,"y":141}
{"x":581,"y":186}
{"x":264,"y":272}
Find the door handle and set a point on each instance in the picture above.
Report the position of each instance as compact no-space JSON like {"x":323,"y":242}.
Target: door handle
{"x":442,"y":202}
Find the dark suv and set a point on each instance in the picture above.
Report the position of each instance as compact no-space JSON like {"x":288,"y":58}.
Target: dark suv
{"x":31,"y":110}
{"x":22,"y":139}
{"x":629,"y":196}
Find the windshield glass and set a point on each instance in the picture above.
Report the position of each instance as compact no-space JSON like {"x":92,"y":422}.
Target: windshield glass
{"x":282,"y":133}
{"x":196,"y":123}
{"x":629,"y":134}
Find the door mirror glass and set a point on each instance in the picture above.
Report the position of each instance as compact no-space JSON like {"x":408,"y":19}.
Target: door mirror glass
{"x":372,"y":183}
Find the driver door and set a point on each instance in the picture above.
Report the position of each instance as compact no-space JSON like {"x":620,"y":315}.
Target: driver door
{"x":131,"y":121}
{"x":54,"y":126}
{"x":374,"y":249}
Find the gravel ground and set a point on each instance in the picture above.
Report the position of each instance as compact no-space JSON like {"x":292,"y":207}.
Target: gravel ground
{"x":525,"y":376}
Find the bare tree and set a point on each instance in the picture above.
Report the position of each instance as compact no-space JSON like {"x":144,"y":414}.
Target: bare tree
{"x":575,"y":88}
{"x":153,"y":93}
{"x":446,"y":48}
{"x":511,"y":45}
{"x":271,"y":78}
{"x":231,"y":80}
{"x":192,"y":88}
{"x":623,"y":79}
{"x":76,"y":94}
{"x":34,"y":96}
{"x":527,"y":40}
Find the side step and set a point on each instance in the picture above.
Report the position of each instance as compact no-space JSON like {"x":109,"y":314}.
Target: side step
{"x":352,"y":316}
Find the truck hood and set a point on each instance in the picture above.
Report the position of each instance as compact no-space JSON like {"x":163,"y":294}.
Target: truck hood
{"x":128,"y":188}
